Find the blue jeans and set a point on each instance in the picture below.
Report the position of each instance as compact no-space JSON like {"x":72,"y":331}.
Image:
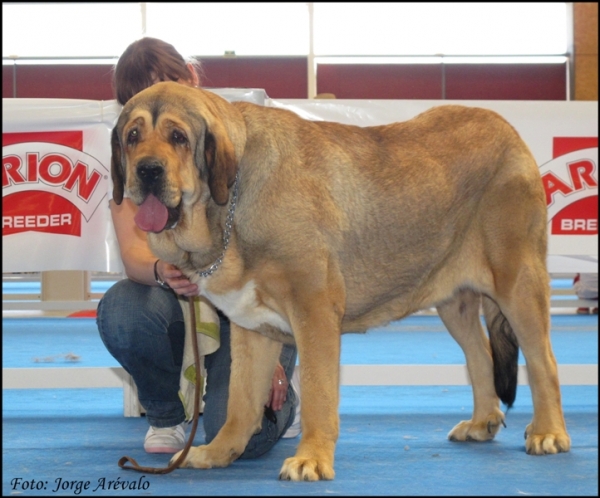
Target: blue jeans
{"x":142,"y":327}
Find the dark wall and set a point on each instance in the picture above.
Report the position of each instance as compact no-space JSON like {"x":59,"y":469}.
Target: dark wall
{"x":60,"y":81}
{"x":506,"y":81}
{"x":286,"y":77}
{"x":461,"y":81}
{"x":281,"y":77}
{"x":380,"y":81}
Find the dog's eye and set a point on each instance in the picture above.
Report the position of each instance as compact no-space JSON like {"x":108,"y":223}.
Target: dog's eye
{"x":179,"y":138}
{"x":132,"y":137}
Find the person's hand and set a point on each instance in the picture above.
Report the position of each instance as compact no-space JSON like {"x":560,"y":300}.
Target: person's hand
{"x":176,"y":279}
{"x":279,"y":386}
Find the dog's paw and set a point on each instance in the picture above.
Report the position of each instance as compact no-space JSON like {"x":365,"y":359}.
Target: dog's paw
{"x":546,"y":444}
{"x":204,"y":457}
{"x":306,"y":469}
{"x":196,"y":458}
{"x":485,"y":430}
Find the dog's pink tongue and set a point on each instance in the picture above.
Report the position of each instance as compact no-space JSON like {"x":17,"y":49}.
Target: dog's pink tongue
{"x":152,"y":215}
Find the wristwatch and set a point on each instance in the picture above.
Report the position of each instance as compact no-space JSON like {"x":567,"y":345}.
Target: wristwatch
{"x":160,"y":282}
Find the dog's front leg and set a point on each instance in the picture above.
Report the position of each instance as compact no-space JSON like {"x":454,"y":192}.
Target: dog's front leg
{"x":253,"y":360}
{"x":318,"y":341}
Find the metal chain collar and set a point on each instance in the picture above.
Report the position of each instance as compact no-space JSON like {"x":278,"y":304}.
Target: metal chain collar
{"x":227,"y":233}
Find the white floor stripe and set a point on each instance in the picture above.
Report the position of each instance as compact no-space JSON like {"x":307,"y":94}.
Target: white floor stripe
{"x":350,"y":375}
{"x":450,"y":375}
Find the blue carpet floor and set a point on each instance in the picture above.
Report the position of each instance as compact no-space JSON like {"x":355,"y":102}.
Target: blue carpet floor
{"x":392,"y":438}
{"x":33,"y":342}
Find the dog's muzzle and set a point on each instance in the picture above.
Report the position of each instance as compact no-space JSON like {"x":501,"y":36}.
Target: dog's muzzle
{"x":151,"y":173}
{"x":153,"y":215}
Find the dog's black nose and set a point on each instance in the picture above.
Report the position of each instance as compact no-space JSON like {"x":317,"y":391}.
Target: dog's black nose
{"x":149,"y":171}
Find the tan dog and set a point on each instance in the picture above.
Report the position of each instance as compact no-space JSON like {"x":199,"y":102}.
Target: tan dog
{"x":339,"y":228}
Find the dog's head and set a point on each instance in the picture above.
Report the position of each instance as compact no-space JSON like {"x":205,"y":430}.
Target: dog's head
{"x":174,"y":146}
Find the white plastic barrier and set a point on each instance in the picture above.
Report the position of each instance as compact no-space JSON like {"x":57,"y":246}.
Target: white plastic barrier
{"x":56,"y":162}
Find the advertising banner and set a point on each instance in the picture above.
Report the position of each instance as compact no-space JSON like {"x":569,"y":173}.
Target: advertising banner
{"x":55,"y":171}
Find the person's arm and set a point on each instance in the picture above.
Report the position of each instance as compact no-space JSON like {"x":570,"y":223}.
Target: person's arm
{"x":278,"y":393}
{"x":136,"y":255}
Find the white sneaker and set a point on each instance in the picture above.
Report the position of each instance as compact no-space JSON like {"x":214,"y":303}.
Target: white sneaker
{"x":165,"y":439}
{"x":295,"y":428}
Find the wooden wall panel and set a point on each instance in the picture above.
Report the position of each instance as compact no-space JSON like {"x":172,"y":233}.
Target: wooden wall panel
{"x":585,"y":19}
{"x":586,"y":77}
{"x":585,"y":30}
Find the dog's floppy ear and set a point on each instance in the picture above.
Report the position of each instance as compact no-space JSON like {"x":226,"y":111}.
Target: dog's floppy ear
{"x":116,"y":167}
{"x":221,"y":140}
{"x":220,"y":159}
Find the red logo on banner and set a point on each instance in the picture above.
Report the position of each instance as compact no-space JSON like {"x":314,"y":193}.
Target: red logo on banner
{"x":571,"y":184}
{"x":564,"y":145}
{"x":579,"y":218}
{"x":50,"y":182}
{"x":41,"y":212}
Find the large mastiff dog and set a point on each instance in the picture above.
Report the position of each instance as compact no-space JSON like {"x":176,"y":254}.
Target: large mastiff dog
{"x":301,"y":231}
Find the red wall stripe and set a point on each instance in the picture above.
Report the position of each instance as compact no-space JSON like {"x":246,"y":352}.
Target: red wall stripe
{"x":506,"y":81}
{"x":65,"y":81}
{"x":7,"y":81}
{"x":280,"y":77}
{"x":286,"y":77}
{"x":380,"y":81}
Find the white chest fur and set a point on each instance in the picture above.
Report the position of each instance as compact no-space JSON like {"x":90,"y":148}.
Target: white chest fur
{"x":242,"y":307}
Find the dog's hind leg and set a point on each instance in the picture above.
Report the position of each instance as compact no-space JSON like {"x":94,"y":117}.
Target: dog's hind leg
{"x":253,"y":360}
{"x":523,"y":298}
{"x":461,"y":317}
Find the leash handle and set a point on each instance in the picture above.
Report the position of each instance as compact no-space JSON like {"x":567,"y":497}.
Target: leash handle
{"x":171,"y":467}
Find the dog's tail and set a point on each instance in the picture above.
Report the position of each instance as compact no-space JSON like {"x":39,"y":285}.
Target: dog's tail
{"x":505,"y":352}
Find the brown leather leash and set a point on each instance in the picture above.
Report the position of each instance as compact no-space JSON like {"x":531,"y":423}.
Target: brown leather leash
{"x":188,"y":444}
